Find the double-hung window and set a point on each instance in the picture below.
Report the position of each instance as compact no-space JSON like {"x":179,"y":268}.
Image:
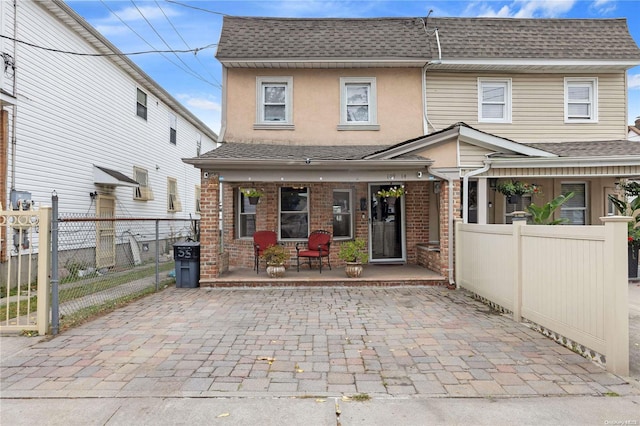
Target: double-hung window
{"x":173,"y":126}
{"x":173,"y":198}
{"x":342,"y":214}
{"x":274,"y":100}
{"x":575,"y":209}
{"x":294,"y":213}
{"x":143,"y":191}
{"x":358,"y":104}
{"x":141,"y":104}
{"x":246,"y":216}
{"x":494,"y":100}
{"x":581,"y":100}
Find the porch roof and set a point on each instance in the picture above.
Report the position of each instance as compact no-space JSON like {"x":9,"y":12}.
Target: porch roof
{"x":590,"y":149}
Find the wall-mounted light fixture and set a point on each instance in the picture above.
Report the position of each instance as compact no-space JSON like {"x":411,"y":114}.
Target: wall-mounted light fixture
{"x":493,"y":183}
{"x":93,"y":195}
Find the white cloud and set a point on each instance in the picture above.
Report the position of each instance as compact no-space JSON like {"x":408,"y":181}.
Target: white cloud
{"x":634,"y":81}
{"x":521,"y":8}
{"x":604,"y":7}
{"x":205,"y":104}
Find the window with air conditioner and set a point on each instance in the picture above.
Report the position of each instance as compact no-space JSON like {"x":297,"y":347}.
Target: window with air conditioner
{"x":173,"y":198}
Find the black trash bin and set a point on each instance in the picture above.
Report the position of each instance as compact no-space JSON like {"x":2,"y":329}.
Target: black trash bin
{"x":187,"y":257}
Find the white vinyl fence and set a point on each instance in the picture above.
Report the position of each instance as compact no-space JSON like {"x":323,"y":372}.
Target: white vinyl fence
{"x":571,"y":280}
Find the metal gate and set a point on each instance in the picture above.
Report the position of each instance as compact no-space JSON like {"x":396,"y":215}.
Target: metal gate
{"x":25,"y":300}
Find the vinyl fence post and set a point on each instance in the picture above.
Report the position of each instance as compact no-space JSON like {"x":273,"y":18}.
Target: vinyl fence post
{"x":55,"y":301}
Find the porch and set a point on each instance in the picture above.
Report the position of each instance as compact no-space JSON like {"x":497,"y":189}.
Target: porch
{"x":373,"y":275}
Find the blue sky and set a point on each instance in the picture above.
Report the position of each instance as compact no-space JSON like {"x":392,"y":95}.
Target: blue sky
{"x":143,"y":25}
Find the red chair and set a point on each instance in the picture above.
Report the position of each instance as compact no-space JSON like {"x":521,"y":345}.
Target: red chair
{"x":317,"y":247}
{"x":262,"y":240}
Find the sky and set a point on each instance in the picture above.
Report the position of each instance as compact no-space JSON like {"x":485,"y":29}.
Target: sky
{"x":194,"y":79}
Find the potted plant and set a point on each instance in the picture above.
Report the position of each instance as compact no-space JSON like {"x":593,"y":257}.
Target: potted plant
{"x":515,"y":189}
{"x":391,"y":194}
{"x":355,"y":253}
{"x":253,"y":195}
{"x":275,"y":256}
{"x":630,"y":208}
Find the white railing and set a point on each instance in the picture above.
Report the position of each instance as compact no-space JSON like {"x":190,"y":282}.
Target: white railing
{"x":27,"y":302}
{"x":571,"y":280}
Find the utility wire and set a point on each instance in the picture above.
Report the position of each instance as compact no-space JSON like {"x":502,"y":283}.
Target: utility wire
{"x":49,"y":49}
{"x":196,"y":8}
{"x":185,"y":43}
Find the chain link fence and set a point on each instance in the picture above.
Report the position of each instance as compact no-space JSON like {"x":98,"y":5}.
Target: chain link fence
{"x":103,"y":262}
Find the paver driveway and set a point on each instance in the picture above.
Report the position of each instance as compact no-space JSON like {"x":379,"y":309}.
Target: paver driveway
{"x":419,"y":341}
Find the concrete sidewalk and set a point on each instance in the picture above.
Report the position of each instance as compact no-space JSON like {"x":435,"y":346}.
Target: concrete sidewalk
{"x":420,"y":355}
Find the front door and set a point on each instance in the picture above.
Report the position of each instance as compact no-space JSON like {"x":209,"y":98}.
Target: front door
{"x":386,"y":226}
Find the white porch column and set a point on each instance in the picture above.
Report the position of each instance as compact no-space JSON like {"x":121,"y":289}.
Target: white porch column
{"x":482,"y":201}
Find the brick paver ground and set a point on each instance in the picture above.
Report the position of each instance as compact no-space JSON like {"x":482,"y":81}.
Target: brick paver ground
{"x":419,"y":341}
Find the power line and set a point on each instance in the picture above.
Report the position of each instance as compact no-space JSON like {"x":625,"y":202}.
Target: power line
{"x":196,"y":8}
{"x":49,"y":49}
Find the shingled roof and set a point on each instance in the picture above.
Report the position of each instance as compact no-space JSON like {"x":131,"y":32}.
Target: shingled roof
{"x":612,"y":148}
{"x":400,"y":38}
{"x":244,"y":151}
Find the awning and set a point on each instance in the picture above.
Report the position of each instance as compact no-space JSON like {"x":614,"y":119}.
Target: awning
{"x":104,"y":176}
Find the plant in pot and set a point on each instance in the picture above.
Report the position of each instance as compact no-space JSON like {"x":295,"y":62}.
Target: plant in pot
{"x":252,"y":194}
{"x":515,"y":189}
{"x":391,"y":194}
{"x":355,"y":253}
{"x":632,"y":209}
{"x":275,"y":256}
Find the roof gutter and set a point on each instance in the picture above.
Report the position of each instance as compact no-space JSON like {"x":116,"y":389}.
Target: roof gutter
{"x":234,"y":164}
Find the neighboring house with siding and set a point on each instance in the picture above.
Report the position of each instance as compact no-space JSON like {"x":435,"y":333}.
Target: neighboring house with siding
{"x":321,"y":114}
{"x":96,"y":130}
{"x":634,"y":131}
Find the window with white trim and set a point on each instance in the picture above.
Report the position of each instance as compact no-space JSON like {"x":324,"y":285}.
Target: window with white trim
{"x":494,"y":100}
{"x":173,"y":198}
{"x":198,"y":144}
{"x":274,"y":100}
{"x":580,"y":100}
{"x":246,"y":216}
{"x":143,"y":191}
{"x":294,"y":213}
{"x":141,"y":104}
{"x":342,"y":214}
{"x":575,"y":209}
{"x":173,"y":128}
{"x":358,"y":104}
{"x":197,"y":196}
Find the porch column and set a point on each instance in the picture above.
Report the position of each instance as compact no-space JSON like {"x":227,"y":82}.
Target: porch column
{"x":482,"y":201}
{"x":209,"y":226}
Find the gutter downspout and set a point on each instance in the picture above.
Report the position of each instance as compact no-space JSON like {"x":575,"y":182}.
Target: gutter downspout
{"x":465,"y":190}
{"x":452,"y":280}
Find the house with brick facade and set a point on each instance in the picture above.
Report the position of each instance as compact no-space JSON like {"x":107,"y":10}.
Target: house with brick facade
{"x":324,"y":116}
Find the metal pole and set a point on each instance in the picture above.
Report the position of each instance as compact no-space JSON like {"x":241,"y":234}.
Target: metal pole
{"x":157,"y":255}
{"x":55,"y":302}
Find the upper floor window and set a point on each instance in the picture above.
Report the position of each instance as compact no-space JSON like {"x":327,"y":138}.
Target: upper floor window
{"x":274,"y":103}
{"x":342,"y":214}
{"x":358,"y":104}
{"x":143,"y":191}
{"x":141,"y":104}
{"x":580,"y":100}
{"x":294,"y":213}
{"x":173,"y":198}
{"x":494,"y":100}
{"x":575,"y":209}
{"x":198,"y":144}
{"x":173,"y":126}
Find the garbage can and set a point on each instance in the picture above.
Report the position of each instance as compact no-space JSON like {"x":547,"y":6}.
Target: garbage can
{"x":187,"y":257}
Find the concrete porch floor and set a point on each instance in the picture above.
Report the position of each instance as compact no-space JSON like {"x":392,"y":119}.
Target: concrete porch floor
{"x":372,"y":275}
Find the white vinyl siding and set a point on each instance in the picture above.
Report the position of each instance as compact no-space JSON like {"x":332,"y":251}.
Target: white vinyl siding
{"x":98,"y":101}
{"x":494,"y":100}
{"x":274,"y":100}
{"x":537,"y":107}
{"x":581,"y":100}
{"x":358,"y":104}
